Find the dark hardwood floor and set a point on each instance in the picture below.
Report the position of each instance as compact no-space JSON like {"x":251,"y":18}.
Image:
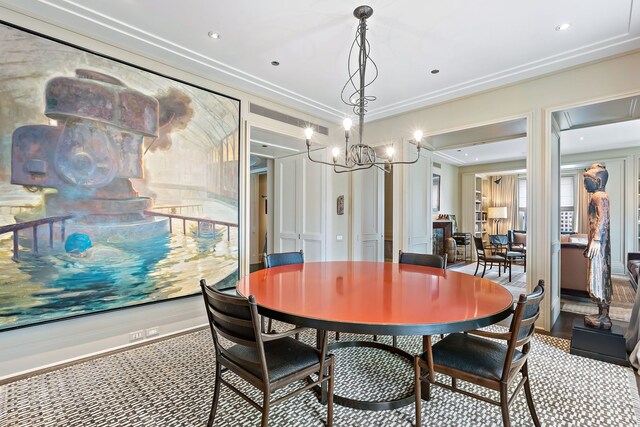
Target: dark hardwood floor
{"x":255,"y":267}
{"x":564,"y":324}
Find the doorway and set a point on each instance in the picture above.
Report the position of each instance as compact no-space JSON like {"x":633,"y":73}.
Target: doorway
{"x":482,"y":186}
{"x":604,"y":133}
{"x":259,"y":211}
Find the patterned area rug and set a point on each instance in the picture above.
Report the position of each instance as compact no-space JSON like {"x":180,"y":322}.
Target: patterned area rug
{"x":516,"y":286}
{"x":621,"y":301}
{"x":170,"y":383}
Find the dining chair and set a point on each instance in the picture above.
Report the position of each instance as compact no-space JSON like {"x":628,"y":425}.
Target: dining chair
{"x":282,"y":258}
{"x":267,"y":361}
{"x":426,"y":260}
{"x":471,"y":357}
{"x":484,"y":257}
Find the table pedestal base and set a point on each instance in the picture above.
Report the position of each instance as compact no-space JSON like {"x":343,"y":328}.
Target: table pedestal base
{"x":370,"y":405}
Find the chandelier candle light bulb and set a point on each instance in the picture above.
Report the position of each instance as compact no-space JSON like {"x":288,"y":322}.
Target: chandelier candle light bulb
{"x":390,"y":152}
{"x":360,"y":156}
{"x":335,"y":153}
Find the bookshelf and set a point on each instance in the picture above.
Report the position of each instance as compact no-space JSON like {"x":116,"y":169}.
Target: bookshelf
{"x":474,"y":207}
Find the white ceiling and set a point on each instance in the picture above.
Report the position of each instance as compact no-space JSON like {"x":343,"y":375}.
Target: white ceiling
{"x":476,"y":45}
{"x":612,"y":136}
{"x":490,"y":152}
{"x":598,"y":138}
{"x":274,"y":145}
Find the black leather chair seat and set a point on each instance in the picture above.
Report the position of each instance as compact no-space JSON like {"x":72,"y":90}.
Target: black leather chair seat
{"x":284,"y":356}
{"x":472,"y":354}
{"x":494,"y":258}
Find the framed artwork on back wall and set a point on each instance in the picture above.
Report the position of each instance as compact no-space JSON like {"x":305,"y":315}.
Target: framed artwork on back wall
{"x":435,"y":193}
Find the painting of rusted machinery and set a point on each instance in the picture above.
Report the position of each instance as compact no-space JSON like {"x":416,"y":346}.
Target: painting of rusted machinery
{"x":92,"y":152}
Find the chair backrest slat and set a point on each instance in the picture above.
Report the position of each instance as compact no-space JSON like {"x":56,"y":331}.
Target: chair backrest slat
{"x":234,"y":339}
{"x":283,"y":258}
{"x":236,"y":315}
{"x":426,"y":260}
{"x":230,"y":319}
{"x":523,"y":326}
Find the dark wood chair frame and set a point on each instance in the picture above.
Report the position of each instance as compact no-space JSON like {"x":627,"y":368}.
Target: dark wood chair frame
{"x":481,"y":255}
{"x":425,"y":370}
{"x":243,"y":328}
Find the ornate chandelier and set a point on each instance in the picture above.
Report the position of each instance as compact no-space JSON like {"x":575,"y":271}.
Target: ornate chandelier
{"x":360,"y":156}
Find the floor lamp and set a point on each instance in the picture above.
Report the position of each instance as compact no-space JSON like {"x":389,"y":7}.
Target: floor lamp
{"x":497,"y":213}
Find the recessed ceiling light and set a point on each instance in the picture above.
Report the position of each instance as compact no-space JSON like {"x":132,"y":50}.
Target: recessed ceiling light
{"x":582,"y":138}
{"x":213,"y":35}
{"x":435,"y":71}
{"x":476,"y":159}
{"x":275,"y":63}
{"x":563,"y":27}
{"x":466,"y":154}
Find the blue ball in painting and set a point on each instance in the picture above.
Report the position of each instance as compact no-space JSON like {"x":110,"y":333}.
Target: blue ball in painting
{"x":77,"y":243}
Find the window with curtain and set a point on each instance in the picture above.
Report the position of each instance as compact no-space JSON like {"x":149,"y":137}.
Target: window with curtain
{"x":567,"y":203}
{"x":522,"y":203}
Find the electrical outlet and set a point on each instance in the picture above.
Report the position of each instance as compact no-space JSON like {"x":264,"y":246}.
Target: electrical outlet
{"x":137,"y":335}
{"x":153,"y":331}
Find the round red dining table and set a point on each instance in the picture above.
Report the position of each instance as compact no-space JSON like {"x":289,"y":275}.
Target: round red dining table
{"x":377,"y":297}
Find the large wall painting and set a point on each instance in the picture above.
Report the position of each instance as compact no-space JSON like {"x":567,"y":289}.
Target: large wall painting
{"x":118,"y":186}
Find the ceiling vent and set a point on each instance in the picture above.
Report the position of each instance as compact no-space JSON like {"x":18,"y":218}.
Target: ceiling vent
{"x":437,"y":165}
{"x":285,"y":118}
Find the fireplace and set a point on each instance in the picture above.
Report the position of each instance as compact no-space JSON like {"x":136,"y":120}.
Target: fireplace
{"x":442,"y":229}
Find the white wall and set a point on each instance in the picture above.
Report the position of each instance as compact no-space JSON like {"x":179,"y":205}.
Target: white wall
{"x":33,"y":347}
{"x":449,"y":188}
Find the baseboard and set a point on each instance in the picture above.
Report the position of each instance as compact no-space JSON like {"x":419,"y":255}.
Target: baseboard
{"x":92,"y":356}
{"x":574,"y":293}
